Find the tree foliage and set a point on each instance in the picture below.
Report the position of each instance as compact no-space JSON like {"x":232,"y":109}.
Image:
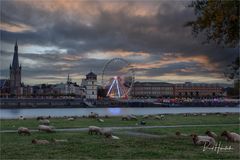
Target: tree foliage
{"x":218,"y":19}
{"x":232,"y":72}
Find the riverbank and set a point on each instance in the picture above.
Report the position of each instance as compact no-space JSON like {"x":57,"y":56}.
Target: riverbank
{"x":137,"y":143}
{"x":21,"y":103}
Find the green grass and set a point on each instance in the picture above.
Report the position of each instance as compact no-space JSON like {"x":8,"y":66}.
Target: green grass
{"x":80,"y":145}
{"x":116,"y":121}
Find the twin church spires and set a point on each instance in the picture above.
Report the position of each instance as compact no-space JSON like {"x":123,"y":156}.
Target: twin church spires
{"x":15,"y":73}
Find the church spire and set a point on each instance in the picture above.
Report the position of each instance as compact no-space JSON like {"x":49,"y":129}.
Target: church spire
{"x":15,"y":62}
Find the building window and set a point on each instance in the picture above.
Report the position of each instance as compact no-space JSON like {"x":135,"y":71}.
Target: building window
{"x":92,"y":93}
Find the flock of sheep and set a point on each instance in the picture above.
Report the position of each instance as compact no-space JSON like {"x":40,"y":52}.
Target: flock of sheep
{"x":44,"y":125}
{"x":209,"y":139}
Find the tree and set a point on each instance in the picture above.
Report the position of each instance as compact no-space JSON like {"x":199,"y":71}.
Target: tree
{"x":218,"y":19}
{"x":232,"y":72}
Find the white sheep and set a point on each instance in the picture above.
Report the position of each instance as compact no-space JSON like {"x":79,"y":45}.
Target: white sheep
{"x":132,"y":117}
{"x":126,"y":118}
{"x":162,"y":117}
{"x":107,"y":132}
{"x":45,"y":128}
{"x":35,"y":141}
{"x":23,"y":130}
{"x":70,"y":119}
{"x":44,"y":121}
{"x":203,"y":140}
{"x":146,"y":116}
{"x":94,"y":129}
{"x":157,"y":117}
{"x":231,"y":136}
{"x":211,"y":134}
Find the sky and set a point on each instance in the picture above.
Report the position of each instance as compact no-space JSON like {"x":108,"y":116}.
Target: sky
{"x":61,"y":37}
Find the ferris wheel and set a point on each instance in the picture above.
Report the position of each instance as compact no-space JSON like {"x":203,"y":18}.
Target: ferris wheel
{"x":118,"y":78}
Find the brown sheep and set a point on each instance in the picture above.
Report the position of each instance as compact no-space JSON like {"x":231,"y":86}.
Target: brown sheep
{"x":211,"y":134}
{"x":231,"y":136}
{"x":35,"y":141}
{"x":24,"y":130}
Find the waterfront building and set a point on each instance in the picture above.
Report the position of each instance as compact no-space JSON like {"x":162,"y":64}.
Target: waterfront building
{"x":152,"y":89}
{"x":4,"y":87}
{"x":15,"y":73}
{"x":189,"y":89}
{"x":90,"y":85}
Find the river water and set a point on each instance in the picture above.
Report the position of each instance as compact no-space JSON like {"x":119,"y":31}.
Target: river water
{"x":15,"y":113}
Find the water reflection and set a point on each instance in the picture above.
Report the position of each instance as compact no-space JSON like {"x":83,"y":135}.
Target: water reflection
{"x":114,"y":111}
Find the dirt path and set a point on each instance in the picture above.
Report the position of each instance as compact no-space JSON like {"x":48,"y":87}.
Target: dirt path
{"x":130,"y":128}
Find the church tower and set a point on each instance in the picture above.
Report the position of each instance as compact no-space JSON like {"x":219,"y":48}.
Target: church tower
{"x":15,"y":73}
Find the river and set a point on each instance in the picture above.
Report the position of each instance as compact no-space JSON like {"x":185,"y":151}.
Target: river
{"x":59,"y":112}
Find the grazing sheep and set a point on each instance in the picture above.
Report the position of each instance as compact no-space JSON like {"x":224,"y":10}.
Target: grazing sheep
{"x":45,"y":128}
{"x":157,"y":117}
{"x":100,"y":120}
{"x":132,"y":117}
{"x":71,"y":119}
{"x":93,"y":115}
{"x":231,"y":136}
{"x":125,"y":118}
{"x":23,"y":130}
{"x":44,"y":121}
{"x":94,"y":129}
{"x":146,"y":116}
{"x":211,"y":134}
{"x":35,"y":141}
{"x":162,"y":117}
{"x":106,"y":132}
{"x":203,"y":140}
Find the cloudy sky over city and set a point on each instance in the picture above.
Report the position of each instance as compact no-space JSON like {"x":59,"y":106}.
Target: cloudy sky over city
{"x":58,"y":37}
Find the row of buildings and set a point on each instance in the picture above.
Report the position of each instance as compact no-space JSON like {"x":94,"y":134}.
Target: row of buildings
{"x":90,"y":90}
{"x":188,"y":89}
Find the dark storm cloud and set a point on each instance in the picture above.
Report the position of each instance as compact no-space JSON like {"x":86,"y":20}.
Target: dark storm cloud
{"x":155,"y":34}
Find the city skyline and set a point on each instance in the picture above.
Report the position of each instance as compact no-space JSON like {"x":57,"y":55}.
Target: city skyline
{"x":61,"y":38}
